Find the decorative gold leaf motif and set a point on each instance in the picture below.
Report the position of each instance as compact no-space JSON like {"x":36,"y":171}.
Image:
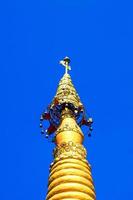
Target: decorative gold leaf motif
{"x":74,"y":150}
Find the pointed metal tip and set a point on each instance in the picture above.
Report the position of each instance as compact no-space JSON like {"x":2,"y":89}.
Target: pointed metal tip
{"x":67,"y":59}
{"x":65,"y":62}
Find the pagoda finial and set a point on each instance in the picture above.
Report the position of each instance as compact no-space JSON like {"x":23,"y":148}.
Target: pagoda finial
{"x":66,"y":98}
{"x":70,"y":173}
{"x":65,"y":62}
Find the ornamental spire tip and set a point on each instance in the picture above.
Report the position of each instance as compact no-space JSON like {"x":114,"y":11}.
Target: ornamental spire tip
{"x":65,"y":62}
{"x":66,"y":98}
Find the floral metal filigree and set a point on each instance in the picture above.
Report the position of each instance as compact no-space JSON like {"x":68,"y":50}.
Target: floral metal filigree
{"x":70,"y":149}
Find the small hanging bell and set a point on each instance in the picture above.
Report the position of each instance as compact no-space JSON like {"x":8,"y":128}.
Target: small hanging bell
{"x":40,"y":125}
{"x":41,"y":118}
{"x":91,"y":128}
{"x":46,"y":135}
{"x":89,"y":134}
{"x":42,"y":131}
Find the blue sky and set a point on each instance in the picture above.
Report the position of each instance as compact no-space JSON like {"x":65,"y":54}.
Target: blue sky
{"x":98,"y":37}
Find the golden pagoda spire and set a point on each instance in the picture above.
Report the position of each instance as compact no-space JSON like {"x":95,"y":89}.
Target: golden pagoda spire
{"x":70,"y":173}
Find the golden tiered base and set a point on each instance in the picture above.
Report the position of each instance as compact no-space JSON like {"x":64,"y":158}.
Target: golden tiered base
{"x":70,"y":179}
{"x":70,"y":174}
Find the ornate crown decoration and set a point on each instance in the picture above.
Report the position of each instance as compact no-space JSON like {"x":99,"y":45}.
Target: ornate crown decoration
{"x":66,"y":98}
